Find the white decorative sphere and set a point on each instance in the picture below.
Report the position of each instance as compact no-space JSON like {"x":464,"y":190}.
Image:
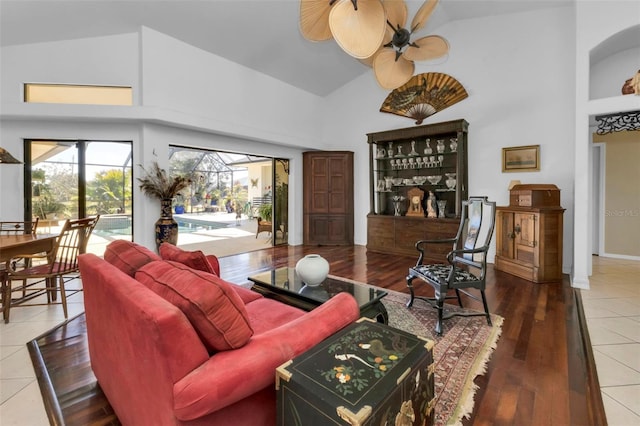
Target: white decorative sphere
{"x":312,"y":269}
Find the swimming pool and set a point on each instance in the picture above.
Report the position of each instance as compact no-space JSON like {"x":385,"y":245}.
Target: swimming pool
{"x":121,"y":225}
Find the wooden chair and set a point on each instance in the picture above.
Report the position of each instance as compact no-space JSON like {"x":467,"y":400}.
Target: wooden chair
{"x":17,"y":228}
{"x":263,"y":226}
{"x":61,"y":261}
{"x":467,"y":261}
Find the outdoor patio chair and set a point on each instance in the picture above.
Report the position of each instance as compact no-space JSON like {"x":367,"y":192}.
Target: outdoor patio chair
{"x":263,"y":226}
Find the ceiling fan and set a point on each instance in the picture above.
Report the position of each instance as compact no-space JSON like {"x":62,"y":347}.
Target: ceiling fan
{"x":374,"y":32}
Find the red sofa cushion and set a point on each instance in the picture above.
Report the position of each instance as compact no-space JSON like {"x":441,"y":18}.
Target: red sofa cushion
{"x":128,"y":256}
{"x":211,"y":304}
{"x":193,"y":259}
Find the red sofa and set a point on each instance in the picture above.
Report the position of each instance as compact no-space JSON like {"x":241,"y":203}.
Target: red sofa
{"x":172,"y":344}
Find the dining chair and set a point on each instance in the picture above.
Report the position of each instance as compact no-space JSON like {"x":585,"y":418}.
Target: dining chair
{"x":466,"y":265}
{"x":61,"y":260}
{"x":17,"y":228}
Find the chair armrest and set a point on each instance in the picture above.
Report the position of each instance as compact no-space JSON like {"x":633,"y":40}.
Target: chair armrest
{"x":215,"y":264}
{"x":230,"y":376}
{"x":421,"y":243}
{"x":456,"y":252}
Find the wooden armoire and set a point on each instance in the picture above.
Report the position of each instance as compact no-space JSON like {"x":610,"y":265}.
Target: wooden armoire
{"x":328,"y":197}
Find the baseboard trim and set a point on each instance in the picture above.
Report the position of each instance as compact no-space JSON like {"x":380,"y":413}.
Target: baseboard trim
{"x":595,"y":406}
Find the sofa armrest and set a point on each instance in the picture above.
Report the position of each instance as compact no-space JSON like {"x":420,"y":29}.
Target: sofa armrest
{"x":213,"y":261}
{"x":230,"y":376}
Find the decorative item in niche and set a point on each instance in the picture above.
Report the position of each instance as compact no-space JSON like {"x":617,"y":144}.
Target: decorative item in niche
{"x":521,"y":159}
{"x":424,"y":95}
{"x":632,"y":85}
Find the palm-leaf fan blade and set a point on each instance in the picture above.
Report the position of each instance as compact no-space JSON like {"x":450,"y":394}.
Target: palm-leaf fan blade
{"x":429,"y":47}
{"x":314,"y":19}
{"x":359,"y":32}
{"x":424,"y":95}
{"x":396,"y":11}
{"x":391,"y":70}
{"x":396,"y":14}
{"x":369,"y":61}
{"x":423,"y":14}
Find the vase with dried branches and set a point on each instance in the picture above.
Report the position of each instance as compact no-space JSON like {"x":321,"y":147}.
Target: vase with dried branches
{"x":157,"y":183}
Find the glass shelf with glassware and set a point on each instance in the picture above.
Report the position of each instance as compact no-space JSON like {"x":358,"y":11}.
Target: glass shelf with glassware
{"x":431,"y":158}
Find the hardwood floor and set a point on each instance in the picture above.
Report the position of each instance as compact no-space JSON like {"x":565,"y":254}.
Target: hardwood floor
{"x":538,"y":375}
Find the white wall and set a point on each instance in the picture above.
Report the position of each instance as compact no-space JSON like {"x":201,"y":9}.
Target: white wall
{"x":596,"y":21}
{"x":520,"y":93}
{"x":232,"y":98}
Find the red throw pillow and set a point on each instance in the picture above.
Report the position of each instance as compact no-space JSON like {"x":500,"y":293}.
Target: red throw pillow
{"x":193,"y":259}
{"x":128,"y":256}
{"x":211,"y":304}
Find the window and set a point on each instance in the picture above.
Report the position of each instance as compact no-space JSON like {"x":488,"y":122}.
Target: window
{"x":77,"y":94}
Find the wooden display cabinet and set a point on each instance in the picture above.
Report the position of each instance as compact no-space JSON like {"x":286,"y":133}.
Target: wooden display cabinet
{"x":529,"y":234}
{"x":430,"y":158}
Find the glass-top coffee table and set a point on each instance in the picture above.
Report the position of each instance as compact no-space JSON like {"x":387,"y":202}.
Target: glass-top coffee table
{"x":284,"y":285}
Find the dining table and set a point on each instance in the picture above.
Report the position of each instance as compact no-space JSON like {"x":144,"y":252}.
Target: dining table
{"x":14,"y":245}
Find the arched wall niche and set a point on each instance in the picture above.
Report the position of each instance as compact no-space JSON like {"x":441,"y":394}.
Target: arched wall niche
{"x":612,"y":61}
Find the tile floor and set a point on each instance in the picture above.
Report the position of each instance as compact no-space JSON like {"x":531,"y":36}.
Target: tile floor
{"x":612,"y":308}
{"x":20,"y":399}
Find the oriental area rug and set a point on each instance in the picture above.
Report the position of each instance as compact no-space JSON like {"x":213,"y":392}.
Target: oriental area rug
{"x":460,"y":354}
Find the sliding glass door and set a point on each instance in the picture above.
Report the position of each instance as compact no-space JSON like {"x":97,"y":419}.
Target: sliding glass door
{"x":281,"y":201}
{"x":71,"y":179}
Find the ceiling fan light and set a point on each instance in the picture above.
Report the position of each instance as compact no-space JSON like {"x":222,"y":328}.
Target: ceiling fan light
{"x":358,"y":32}
{"x":314,"y":20}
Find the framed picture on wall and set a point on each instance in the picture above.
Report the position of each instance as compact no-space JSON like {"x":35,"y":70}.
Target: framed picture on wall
{"x":521,"y":158}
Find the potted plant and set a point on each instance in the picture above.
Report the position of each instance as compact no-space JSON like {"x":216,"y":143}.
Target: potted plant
{"x":178,"y":206}
{"x":215,"y":196}
{"x":157,"y":183}
{"x":265,"y":212}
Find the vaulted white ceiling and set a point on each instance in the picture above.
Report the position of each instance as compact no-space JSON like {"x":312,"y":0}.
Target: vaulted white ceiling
{"x":260,"y":34}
